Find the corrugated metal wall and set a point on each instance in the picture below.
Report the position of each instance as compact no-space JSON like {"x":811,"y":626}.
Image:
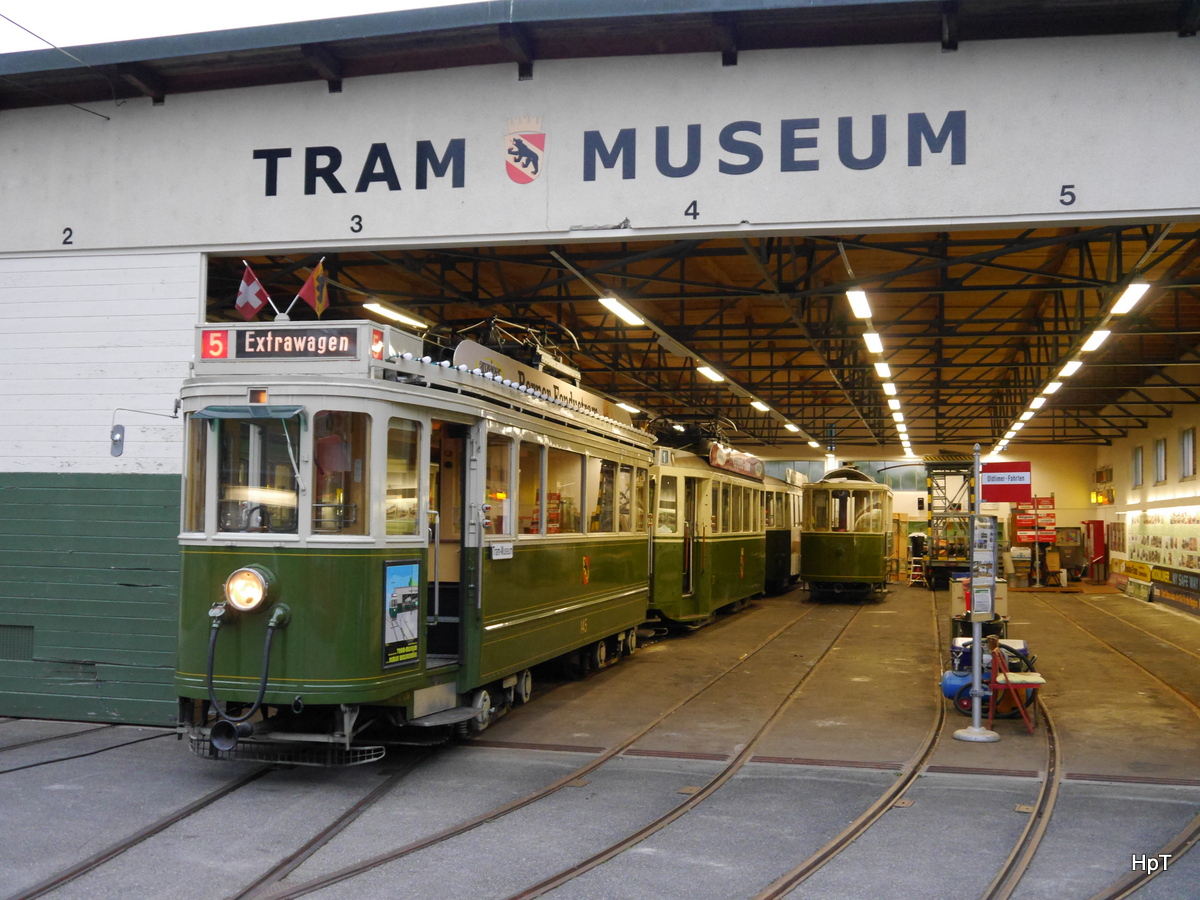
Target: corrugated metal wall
{"x":89,"y":584}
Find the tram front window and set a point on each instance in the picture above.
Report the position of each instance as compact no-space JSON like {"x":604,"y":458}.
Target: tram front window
{"x":340,"y":443}
{"x":256,"y":480}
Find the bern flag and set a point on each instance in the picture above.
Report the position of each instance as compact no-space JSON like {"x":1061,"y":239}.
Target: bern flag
{"x":251,"y":297}
{"x":316,"y":290}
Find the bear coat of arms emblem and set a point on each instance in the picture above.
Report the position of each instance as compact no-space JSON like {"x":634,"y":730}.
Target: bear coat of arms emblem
{"x":524,"y":149}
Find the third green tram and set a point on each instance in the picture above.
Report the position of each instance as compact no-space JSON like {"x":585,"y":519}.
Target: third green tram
{"x":846,"y":535}
{"x":378,"y":547}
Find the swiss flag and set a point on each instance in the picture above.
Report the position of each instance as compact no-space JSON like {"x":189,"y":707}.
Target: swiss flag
{"x":252,"y":296}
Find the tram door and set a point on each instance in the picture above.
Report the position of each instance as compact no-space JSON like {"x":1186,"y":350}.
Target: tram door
{"x":690,"y":536}
{"x":447,"y":502}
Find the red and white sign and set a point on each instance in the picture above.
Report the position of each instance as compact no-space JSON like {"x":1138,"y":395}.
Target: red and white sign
{"x":1005,"y":482}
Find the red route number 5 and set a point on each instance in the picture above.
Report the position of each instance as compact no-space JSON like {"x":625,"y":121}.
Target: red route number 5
{"x":215,"y":345}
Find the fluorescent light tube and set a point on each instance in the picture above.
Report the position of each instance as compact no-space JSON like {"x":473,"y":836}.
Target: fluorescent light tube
{"x":889,"y":389}
{"x":628,"y":408}
{"x":709,"y":373}
{"x":760,"y":406}
{"x":898,"y":416}
{"x":1070,"y":369}
{"x":1130,"y":297}
{"x":621,"y":311}
{"x":883,"y":370}
{"x":901,"y":427}
{"x":859,"y":304}
{"x":1037,"y":402}
{"x":874,"y":342}
{"x":1027,"y":415}
{"x":1010,"y":434}
{"x":1052,"y":387}
{"x":1095,"y":340}
{"x":790,"y":427}
{"x":390,"y":312}
{"x":814,"y":444}
{"x":893,"y":403}
{"x":1017,"y":426}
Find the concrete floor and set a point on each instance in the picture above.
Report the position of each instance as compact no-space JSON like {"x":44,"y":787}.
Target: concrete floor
{"x":1131,"y":754}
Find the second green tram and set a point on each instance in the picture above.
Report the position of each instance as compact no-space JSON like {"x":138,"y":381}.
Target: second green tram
{"x":709,"y":539}
{"x":846,"y":539}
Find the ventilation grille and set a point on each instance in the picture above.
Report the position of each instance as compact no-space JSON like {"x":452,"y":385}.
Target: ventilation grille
{"x":16,"y":642}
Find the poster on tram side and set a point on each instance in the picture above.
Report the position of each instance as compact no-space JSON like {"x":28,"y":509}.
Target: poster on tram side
{"x":401,"y":613}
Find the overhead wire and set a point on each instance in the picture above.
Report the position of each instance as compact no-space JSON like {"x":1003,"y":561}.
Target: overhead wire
{"x":71,"y":56}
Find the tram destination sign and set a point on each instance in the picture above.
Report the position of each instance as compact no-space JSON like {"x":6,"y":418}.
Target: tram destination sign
{"x":274,"y":342}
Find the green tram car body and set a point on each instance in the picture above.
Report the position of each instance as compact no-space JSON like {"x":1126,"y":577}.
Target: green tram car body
{"x":416,"y":537}
{"x":709,"y":539}
{"x":845,"y":544}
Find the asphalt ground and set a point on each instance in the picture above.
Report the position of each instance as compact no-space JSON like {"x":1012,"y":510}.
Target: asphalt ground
{"x":1130,"y":743}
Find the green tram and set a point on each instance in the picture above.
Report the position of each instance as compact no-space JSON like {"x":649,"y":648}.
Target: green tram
{"x":783,"y":507}
{"x":709,"y":545}
{"x":846,"y":540}
{"x":379,"y":547}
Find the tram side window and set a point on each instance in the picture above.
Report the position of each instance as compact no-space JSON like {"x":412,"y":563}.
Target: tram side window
{"x":639,"y":500}
{"x":529,"y":484}
{"x":736,"y":503}
{"x":868,"y":513}
{"x":668,"y":506}
{"x":726,"y":508}
{"x":748,"y":523}
{"x":403,"y":476}
{"x":602,"y":492}
{"x":197,"y":474}
{"x":819,"y":517}
{"x":564,"y":483}
{"x":256,"y":481}
{"x":716,"y":508}
{"x":625,"y":498}
{"x":340,"y":475}
{"x":769,"y":510}
{"x":499,"y":452}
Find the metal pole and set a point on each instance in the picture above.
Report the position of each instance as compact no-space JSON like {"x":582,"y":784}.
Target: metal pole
{"x":976,"y":733}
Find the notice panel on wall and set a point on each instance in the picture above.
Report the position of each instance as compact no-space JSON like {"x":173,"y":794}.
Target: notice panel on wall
{"x":828,"y":137}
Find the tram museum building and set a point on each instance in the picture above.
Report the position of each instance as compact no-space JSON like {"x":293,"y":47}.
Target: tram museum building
{"x":729,"y":168}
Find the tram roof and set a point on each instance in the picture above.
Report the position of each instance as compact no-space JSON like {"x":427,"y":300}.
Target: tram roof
{"x":524,"y":31}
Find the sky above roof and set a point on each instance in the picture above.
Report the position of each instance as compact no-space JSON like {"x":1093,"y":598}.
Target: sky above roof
{"x":67,"y":23}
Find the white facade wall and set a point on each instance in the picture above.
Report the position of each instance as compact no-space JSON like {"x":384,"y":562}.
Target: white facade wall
{"x":80,"y":337}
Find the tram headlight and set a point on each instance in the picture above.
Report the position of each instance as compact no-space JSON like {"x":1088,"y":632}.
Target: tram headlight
{"x":247,"y":588}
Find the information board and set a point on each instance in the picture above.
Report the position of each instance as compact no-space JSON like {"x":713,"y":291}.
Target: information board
{"x":983,"y":568}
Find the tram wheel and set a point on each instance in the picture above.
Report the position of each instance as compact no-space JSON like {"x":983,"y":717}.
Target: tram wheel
{"x":482,"y":701}
{"x":599,"y":654}
{"x":630,"y":641}
{"x":523,"y":689}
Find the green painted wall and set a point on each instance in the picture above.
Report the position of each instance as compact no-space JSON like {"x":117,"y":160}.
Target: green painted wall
{"x":89,"y":592}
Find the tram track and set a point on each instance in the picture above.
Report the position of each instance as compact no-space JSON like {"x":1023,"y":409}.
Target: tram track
{"x":61,"y":759}
{"x":56,"y":737}
{"x":713,"y":785}
{"x":1005,"y":882}
{"x":278,"y":891}
{"x":96,"y":860}
{"x":1190,"y":834}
